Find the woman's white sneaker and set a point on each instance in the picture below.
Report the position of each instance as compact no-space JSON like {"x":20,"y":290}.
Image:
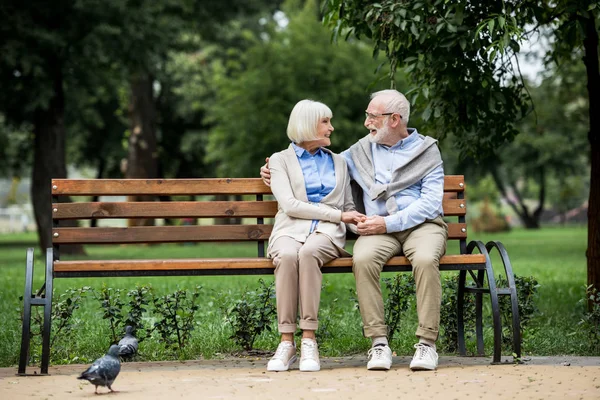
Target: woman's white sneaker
{"x":425,"y":358}
{"x":380,"y":358}
{"x":309,"y":356}
{"x":284,"y":357}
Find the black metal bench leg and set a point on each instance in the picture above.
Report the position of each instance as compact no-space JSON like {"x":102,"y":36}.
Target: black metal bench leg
{"x":512,"y":291}
{"x":460,"y":314}
{"x":26,"y":331}
{"x":47,"y":312}
{"x":496,"y":317}
{"x":479,"y":314}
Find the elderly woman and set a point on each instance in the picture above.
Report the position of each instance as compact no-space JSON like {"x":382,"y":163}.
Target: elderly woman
{"x":312,"y":188}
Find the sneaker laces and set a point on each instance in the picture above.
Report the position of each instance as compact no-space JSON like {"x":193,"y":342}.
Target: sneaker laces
{"x":308,"y":349}
{"x":282,"y":351}
{"x":376,"y":353}
{"x":422,"y":350}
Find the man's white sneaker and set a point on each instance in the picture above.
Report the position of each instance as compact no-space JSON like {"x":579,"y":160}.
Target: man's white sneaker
{"x":425,"y":358}
{"x":284,"y":357}
{"x":380,"y":358}
{"x":309,"y":356}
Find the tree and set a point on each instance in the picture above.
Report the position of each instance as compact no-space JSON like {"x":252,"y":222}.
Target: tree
{"x":462,"y":59}
{"x":285,"y":65}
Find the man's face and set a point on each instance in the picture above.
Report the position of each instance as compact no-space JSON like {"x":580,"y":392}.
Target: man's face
{"x":376,"y":123}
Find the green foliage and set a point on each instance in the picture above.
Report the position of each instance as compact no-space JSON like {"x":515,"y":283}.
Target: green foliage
{"x":400,"y":295}
{"x":175,"y":313}
{"x":137,"y":306}
{"x":283,"y":66}
{"x":590,"y":322}
{"x":63,"y":323}
{"x":527,"y":294}
{"x":449,"y":317}
{"x":251,"y":314}
{"x":112,"y":310}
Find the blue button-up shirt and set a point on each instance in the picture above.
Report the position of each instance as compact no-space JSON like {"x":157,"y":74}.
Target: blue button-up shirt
{"x":418,"y":202}
{"x":319,"y":175}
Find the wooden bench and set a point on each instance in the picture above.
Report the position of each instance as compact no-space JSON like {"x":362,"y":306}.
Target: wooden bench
{"x":473,"y":258}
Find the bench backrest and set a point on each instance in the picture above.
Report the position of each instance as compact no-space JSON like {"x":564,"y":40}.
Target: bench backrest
{"x":249,"y":203}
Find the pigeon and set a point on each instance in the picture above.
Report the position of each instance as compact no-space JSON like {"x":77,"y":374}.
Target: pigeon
{"x":128,"y":346}
{"x":104,"y":370}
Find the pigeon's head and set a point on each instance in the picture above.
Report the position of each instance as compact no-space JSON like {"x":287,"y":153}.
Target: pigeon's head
{"x":114,"y":350}
{"x":129,"y":329}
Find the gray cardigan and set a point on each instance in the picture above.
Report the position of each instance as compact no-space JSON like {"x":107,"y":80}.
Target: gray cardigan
{"x":295,"y":213}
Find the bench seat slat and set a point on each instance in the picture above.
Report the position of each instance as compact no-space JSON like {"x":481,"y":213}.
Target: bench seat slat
{"x":228,"y":263}
{"x":172,"y":187}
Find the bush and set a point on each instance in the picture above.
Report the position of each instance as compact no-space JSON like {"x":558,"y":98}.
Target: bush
{"x":590,"y":322}
{"x":252,"y":314}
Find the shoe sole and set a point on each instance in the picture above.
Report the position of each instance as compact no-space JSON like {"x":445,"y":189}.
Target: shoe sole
{"x":422,"y":368}
{"x":312,"y":368}
{"x":379,"y":367}
{"x":285,"y":367}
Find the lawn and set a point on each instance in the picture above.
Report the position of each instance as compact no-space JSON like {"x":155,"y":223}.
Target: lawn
{"x":554,"y":256}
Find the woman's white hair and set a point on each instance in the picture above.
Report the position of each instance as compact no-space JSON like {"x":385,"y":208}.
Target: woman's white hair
{"x":396,"y":102}
{"x":304,"y":120}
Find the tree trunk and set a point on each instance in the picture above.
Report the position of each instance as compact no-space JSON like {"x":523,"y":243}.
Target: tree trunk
{"x":49,"y":162}
{"x":529,"y":221}
{"x":142,"y":153}
{"x":590,"y":60}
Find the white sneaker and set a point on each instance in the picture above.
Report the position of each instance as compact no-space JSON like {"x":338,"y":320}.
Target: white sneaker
{"x":380,"y":358}
{"x":309,"y":356}
{"x":425,"y":358}
{"x":284,"y":357}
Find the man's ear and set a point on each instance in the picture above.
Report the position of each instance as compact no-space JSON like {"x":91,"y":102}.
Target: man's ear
{"x":395,"y":120}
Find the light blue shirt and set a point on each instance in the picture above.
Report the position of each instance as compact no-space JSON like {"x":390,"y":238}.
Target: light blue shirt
{"x":319,"y":175}
{"x":418,"y":202}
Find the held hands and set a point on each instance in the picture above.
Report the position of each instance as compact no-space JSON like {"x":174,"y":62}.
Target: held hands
{"x":373,"y":225}
{"x":265,"y":174}
{"x":353,"y":217}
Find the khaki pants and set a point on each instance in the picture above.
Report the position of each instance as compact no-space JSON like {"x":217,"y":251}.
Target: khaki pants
{"x":423,"y":245}
{"x":298,"y":279}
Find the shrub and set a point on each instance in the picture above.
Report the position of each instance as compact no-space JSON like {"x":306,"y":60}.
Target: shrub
{"x":400,"y":295}
{"x":590,"y":322}
{"x":252,"y":314}
{"x":449,"y":314}
{"x":175,"y":313}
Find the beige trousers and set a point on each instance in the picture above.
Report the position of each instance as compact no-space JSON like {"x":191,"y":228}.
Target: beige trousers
{"x":423,"y":245}
{"x":298,"y":279}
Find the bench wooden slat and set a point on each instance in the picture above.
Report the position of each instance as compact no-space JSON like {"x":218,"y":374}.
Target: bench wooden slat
{"x":175,"y":234}
{"x":226,"y":263}
{"x":191,"y":209}
{"x":179,"y":209}
{"x":173,"y":187}
{"x":162,"y":234}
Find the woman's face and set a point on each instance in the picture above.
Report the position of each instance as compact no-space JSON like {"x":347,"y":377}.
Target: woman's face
{"x":324,"y":130}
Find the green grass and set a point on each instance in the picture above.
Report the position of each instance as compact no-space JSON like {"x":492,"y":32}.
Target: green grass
{"x":554,"y":256}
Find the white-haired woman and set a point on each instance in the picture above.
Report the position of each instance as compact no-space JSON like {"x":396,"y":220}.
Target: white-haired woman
{"x":312,"y":188}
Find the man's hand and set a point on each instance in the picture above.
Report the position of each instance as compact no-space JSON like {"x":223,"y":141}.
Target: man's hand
{"x":353,"y":217}
{"x":265,"y":174}
{"x":374,"y":225}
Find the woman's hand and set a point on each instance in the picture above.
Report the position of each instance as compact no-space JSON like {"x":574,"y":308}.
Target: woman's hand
{"x":353,"y":217}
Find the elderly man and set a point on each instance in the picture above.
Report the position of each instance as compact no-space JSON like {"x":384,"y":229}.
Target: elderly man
{"x":401,"y":176}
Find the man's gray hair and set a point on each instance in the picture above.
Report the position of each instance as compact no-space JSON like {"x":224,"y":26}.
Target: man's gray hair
{"x":396,"y":102}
